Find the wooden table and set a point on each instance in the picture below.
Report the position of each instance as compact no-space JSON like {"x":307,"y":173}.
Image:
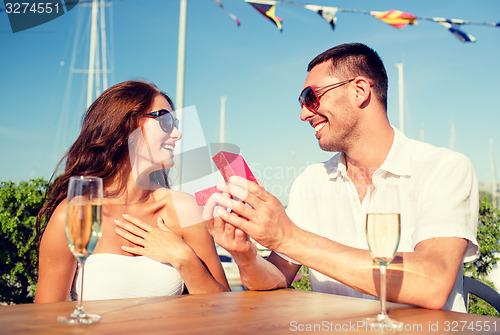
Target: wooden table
{"x":275,"y":312}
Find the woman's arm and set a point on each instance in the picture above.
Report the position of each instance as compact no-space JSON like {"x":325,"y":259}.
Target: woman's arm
{"x":201,"y":242}
{"x":195,"y":233}
{"x":57,"y":265}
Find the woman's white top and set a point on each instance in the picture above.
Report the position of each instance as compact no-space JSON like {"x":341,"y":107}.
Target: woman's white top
{"x":112,"y":276}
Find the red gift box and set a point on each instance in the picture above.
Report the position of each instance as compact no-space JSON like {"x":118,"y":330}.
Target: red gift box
{"x":229,"y":165}
{"x":203,"y":195}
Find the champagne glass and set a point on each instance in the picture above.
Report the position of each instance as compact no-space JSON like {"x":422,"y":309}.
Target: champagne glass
{"x":83,"y":230}
{"x":383,"y":230}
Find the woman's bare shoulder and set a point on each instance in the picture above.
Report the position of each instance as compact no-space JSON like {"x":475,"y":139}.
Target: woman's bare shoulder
{"x":181,"y":199}
{"x":59,"y":215}
{"x":187,"y":210}
{"x":54,"y":232}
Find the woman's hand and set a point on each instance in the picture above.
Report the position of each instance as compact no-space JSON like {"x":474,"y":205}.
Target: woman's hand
{"x":158,"y":243}
{"x":163,"y":245}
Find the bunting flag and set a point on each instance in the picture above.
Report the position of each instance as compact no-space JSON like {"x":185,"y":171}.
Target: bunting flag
{"x":328,"y":13}
{"x":219,"y":2}
{"x":267,"y":8}
{"x":395,"y":18}
{"x":454,"y":27}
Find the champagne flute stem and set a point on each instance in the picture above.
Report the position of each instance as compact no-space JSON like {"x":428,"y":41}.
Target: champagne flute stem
{"x":79,"y":305}
{"x":383,"y":288}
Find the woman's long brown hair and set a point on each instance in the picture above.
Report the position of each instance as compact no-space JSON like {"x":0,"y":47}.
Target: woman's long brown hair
{"x":101,"y":149}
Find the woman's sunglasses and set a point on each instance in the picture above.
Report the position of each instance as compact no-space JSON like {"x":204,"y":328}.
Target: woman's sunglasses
{"x":166,"y":120}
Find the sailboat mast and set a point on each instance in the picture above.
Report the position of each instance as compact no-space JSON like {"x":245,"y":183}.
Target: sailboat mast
{"x":222,"y":133}
{"x":493,"y":175}
{"x":401,"y":98}
{"x":179,"y":99}
{"x":103,"y":48}
{"x":98,"y":65}
{"x":92,"y":52}
{"x":452,"y":135}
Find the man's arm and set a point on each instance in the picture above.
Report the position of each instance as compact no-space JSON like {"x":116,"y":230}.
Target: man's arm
{"x":256,"y":273}
{"x":424,"y":277}
{"x":287,"y":268}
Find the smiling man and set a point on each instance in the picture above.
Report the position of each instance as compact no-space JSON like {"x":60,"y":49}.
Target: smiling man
{"x":345,"y":100}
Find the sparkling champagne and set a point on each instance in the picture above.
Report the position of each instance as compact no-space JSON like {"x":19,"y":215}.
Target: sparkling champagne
{"x":83,"y":228}
{"x":383,"y":232}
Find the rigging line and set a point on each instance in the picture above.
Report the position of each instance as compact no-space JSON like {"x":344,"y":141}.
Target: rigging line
{"x":63,"y":123}
{"x":112,"y":43}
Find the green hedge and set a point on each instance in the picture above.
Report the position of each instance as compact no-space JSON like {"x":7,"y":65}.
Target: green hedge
{"x":488,"y":235}
{"x":19,"y":206}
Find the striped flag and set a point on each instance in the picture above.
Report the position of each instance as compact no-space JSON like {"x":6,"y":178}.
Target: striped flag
{"x":219,"y":2}
{"x":267,"y":8}
{"x":327,"y":13}
{"x":395,"y":18}
{"x":454,"y":27}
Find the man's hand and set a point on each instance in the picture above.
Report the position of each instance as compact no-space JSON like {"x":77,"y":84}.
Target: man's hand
{"x":234,"y":240}
{"x":260,"y":215}
{"x":255,"y":272}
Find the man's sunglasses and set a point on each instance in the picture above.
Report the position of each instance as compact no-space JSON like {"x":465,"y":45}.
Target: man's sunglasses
{"x":309,"y":96}
{"x":166,"y":120}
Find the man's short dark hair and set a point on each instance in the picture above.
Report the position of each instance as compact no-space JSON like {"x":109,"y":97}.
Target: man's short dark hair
{"x":356,"y":59}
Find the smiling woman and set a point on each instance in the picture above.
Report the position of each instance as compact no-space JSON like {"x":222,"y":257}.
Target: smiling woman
{"x":128,"y":133}
{"x":152,"y":144}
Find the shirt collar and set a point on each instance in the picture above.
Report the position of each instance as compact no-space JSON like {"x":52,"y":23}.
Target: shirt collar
{"x":397,"y":161}
{"x":334,"y":165}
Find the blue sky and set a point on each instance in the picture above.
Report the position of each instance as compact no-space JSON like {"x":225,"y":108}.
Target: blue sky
{"x":260,"y":70}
